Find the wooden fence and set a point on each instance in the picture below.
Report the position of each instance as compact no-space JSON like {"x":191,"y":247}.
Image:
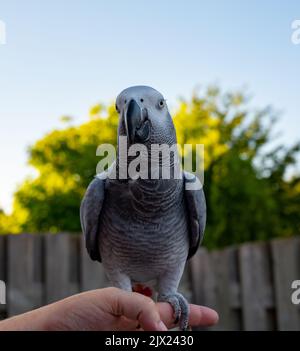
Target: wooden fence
{"x":249,"y":285}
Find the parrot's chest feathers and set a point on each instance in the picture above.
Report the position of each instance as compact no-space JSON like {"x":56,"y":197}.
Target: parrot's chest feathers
{"x":142,"y":235}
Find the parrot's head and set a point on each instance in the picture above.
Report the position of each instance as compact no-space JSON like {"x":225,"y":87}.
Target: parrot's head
{"x":144,"y":117}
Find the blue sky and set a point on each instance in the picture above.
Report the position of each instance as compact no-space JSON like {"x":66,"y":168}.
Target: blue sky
{"x":61,"y":57}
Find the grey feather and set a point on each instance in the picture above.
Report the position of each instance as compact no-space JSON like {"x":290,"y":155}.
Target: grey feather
{"x":90,"y":211}
{"x":196,"y":212}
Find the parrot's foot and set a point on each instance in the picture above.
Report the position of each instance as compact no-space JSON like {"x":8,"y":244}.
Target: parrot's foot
{"x":181,"y":309}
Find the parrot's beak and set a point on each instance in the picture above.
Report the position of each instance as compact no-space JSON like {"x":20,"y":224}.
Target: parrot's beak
{"x":136,"y":123}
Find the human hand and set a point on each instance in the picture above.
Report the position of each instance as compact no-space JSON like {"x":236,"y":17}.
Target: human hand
{"x":107,"y":309}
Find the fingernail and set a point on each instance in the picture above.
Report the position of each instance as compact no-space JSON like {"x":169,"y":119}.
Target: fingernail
{"x":161,"y":326}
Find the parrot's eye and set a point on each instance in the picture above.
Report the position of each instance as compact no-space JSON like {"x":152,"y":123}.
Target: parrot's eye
{"x":161,"y":103}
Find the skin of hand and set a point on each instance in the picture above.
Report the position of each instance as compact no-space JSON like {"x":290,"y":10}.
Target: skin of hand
{"x":106,"y":309}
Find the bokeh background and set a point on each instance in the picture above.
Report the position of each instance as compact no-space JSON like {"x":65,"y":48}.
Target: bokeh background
{"x":230,"y":73}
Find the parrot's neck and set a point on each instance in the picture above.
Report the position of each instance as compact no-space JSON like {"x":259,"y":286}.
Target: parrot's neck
{"x":148,"y":170}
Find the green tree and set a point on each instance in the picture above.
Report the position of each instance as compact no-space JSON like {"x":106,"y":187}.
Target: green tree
{"x":66,"y":162}
{"x":248,"y":195}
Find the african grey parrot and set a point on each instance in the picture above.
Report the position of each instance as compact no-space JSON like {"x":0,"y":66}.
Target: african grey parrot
{"x":144,"y":229}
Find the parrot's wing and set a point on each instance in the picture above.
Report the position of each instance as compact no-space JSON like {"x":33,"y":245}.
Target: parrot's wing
{"x":90,"y":210}
{"x":196,"y":210}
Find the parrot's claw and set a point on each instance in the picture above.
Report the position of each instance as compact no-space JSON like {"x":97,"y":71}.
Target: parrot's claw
{"x":181,"y":309}
{"x":174,"y":302}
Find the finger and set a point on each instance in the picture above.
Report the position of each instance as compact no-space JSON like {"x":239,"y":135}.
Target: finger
{"x":125,"y":324}
{"x":136,"y":307}
{"x":199,"y":315}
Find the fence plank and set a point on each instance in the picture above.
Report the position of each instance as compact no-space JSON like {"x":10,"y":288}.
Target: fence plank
{"x":92,"y":275}
{"x":74,"y":262}
{"x":256,"y":285}
{"x":203,"y":282}
{"x":24,"y":287}
{"x":60,"y":257}
{"x":3,"y":272}
{"x":2,"y":257}
{"x":227,"y":288}
{"x":286,"y":258}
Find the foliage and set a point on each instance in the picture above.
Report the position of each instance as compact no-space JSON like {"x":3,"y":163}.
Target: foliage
{"x":248,"y":194}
